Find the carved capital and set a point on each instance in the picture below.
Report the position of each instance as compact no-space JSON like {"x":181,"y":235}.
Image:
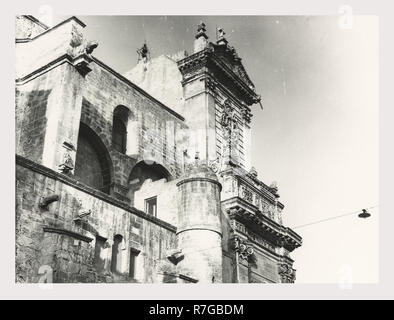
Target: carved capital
{"x":246,"y":113}
{"x":287,"y":273}
{"x":244,"y":249}
{"x":210,"y":84}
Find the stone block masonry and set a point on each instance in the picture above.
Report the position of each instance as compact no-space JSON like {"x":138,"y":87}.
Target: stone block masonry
{"x":54,"y":237}
{"x":113,"y":185}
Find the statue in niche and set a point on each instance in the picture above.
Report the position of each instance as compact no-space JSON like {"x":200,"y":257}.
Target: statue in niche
{"x":228,"y":119}
{"x":230,"y":127}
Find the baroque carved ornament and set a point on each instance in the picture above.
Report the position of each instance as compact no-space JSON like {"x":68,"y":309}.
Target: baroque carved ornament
{"x":230,"y":126}
{"x":287,"y":273}
{"x":246,"y":194}
{"x":243,"y":248}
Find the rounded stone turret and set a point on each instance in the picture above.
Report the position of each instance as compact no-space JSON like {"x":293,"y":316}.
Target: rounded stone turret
{"x":199,"y":229}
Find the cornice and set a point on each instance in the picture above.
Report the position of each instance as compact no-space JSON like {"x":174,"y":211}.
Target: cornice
{"x":236,"y":79}
{"x":264,"y":249}
{"x":35,"y":20}
{"x":68,"y":233}
{"x":73,"y":18}
{"x":68,"y":58}
{"x":208,"y":58}
{"x":265,"y":227}
{"x":200,"y":179}
{"x":194,"y":59}
{"x":65,"y":58}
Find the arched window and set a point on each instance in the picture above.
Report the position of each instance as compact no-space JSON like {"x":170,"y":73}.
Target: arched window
{"x":92,"y":165}
{"x":116,"y":260}
{"x":119,"y":128}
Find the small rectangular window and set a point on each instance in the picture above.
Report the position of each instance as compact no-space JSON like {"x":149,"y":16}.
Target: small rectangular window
{"x":151,"y":206}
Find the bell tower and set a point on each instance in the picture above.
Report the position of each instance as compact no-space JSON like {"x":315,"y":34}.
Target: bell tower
{"x":218,"y":96}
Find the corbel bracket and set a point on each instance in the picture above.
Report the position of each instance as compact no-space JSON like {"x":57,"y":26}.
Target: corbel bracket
{"x":45,"y":201}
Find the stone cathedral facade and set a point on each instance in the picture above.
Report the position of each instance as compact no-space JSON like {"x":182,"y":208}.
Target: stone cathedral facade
{"x":144,"y":177}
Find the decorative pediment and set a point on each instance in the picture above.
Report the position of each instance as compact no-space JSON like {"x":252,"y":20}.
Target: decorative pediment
{"x":230,"y":58}
{"x":225,"y":65}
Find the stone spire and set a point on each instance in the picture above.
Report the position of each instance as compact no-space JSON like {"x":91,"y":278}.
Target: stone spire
{"x":201,"y":38}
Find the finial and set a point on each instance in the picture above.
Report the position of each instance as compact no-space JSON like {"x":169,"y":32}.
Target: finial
{"x":221,"y":33}
{"x":253,"y":172}
{"x":220,"y":36}
{"x":143,"y":53}
{"x":201,"y":31}
{"x":200,"y":43}
{"x":274,"y":186}
{"x":201,"y":26}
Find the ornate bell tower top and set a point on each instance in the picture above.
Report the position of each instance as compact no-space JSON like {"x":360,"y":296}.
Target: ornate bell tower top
{"x":216,"y":87}
{"x":222,"y":63}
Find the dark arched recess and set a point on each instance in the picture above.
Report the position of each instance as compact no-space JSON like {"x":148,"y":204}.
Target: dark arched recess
{"x":93,"y":163}
{"x":144,"y":170}
{"x":119,"y":128}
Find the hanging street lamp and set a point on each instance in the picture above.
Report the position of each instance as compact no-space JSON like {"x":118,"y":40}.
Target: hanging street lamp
{"x":364,"y":214}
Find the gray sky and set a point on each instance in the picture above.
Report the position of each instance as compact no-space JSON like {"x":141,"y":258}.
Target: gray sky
{"x":318,"y":133}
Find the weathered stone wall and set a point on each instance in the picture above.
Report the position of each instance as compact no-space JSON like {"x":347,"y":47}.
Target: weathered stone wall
{"x":161,"y":78}
{"x":167,"y":198}
{"x":56,"y":93}
{"x":28,"y":27}
{"x":266,"y":268}
{"x":200,"y":118}
{"x":51,"y":237}
{"x":51,"y":104}
{"x":30,"y":117}
{"x":157,"y":134}
{"x":47,"y":46}
{"x":228,"y":256}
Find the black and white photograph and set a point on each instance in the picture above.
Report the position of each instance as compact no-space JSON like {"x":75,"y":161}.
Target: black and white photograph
{"x":186,"y":152}
{"x":196,"y":149}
